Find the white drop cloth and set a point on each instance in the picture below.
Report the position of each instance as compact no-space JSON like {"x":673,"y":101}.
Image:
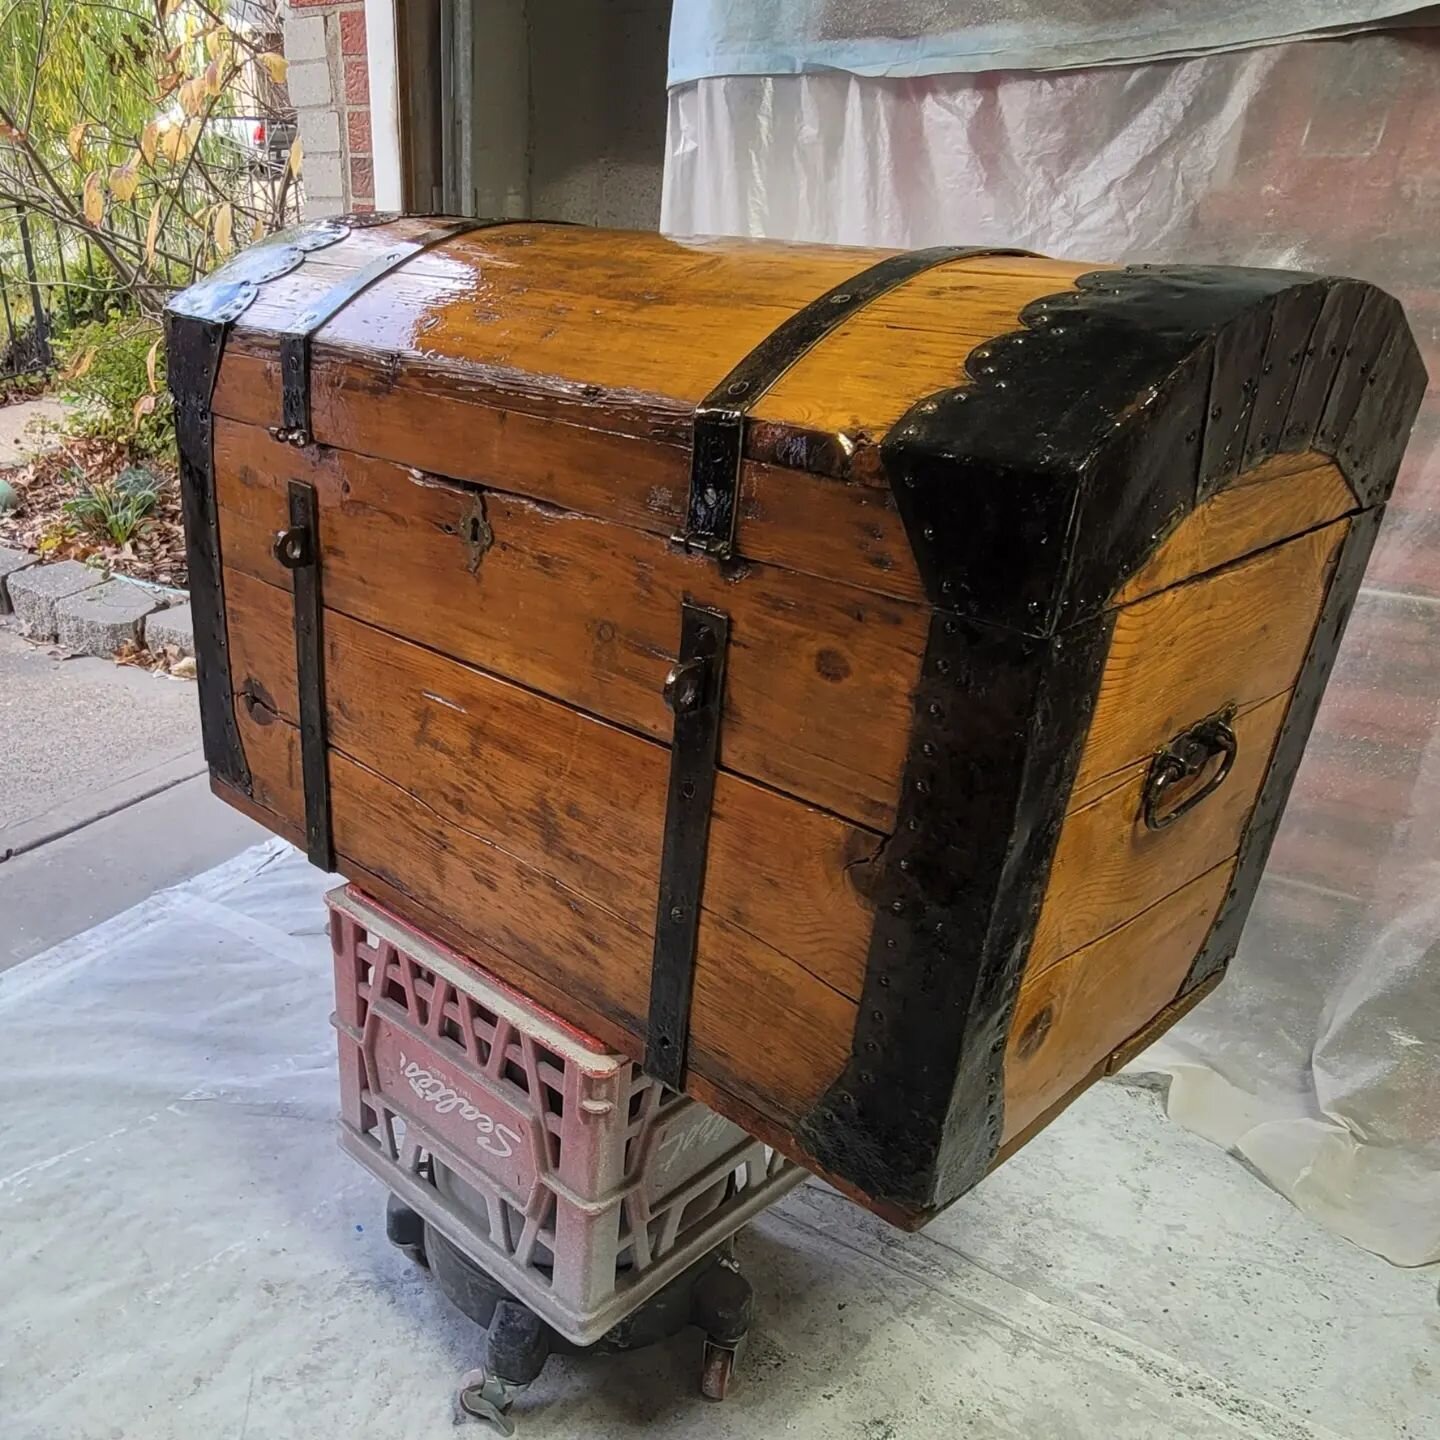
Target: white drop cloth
{"x":188,"y":1256}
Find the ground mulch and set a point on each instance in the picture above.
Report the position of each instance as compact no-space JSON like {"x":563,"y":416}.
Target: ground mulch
{"x":39,"y":523}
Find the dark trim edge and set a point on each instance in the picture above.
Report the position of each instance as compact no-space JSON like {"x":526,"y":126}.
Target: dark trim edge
{"x":196,"y":324}
{"x":1029,"y":496}
{"x":1224,"y":937}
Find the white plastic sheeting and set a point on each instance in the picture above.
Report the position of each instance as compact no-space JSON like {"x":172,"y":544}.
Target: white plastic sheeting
{"x":1319,"y":1059}
{"x":189,"y":1256}
{"x":937,"y":37}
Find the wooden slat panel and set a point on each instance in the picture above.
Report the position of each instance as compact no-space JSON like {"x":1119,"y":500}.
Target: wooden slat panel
{"x":1071,"y":1017}
{"x":819,"y":677}
{"x":1231,"y":637}
{"x":846,"y":532}
{"x":566,"y":794}
{"x":1174,"y":1012}
{"x":761,"y":1029}
{"x":1277,"y":499}
{"x":1108,"y":866}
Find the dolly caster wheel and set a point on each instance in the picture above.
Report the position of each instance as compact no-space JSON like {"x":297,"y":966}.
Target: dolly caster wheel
{"x":716,"y":1369}
{"x":483,"y":1397}
{"x":405,"y":1230}
{"x":722,"y":1305}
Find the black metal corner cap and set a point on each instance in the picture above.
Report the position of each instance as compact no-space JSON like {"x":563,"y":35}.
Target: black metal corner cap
{"x":1031,"y":492}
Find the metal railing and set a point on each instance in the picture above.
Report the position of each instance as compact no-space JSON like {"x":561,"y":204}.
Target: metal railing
{"x":47,"y":274}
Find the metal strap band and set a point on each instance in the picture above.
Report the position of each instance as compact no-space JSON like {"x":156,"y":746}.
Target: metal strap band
{"x":295,"y":341}
{"x":719,"y":426}
{"x":298,"y":549}
{"x":693,"y":690}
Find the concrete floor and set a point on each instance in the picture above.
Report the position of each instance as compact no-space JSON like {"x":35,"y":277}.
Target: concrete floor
{"x":102,"y":793}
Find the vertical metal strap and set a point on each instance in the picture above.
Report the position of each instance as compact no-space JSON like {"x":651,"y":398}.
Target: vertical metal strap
{"x":719,"y":428}
{"x":694,"y":690}
{"x":295,"y":341}
{"x":298,"y":549}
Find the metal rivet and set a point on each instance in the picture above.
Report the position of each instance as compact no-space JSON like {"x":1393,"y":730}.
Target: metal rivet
{"x":677,"y":912}
{"x":897,"y":907}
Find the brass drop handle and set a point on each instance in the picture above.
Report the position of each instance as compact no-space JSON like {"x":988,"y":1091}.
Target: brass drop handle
{"x":1183,"y":759}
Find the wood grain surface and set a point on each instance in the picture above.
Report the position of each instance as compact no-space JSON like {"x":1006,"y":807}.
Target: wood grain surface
{"x":819,"y":676}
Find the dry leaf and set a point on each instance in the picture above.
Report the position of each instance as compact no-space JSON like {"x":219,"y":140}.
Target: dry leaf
{"x":168,"y":8}
{"x":79,"y":364}
{"x":151,"y":356}
{"x":257,"y":231}
{"x":9,"y":132}
{"x":75,"y":141}
{"x":152,"y":232}
{"x":145,"y":405}
{"x":171,"y":138}
{"x":275,"y":66}
{"x":212,"y":78}
{"x":191,"y":135}
{"x":224,"y":228}
{"x":94,"y":197}
{"x":297,"y":157}
{"x":191,"y":96}
{"x":184,"y":668}
{"x":124,"y":178}
{"x":212,"y":38}
{"x":167,"y":83}
{"x":148,"y":137}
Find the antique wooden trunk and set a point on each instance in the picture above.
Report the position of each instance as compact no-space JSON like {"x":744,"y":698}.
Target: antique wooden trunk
{"x":863,"y":685}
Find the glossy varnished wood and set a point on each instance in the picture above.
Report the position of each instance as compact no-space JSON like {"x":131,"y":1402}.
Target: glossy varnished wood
{"x":1281,"y":497}
{"x":1231,"y":637}
{"x":763,"y":1030}
{"x":819,"y":677}
{"x":1108,"y":866}
{"x":566,"y":794}
{"x":1070,"y":1017}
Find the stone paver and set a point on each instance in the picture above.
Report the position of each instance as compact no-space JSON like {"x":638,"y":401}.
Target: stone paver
{"x":100,"y":620}
{"x":18,"y":428}
{"x":35,"y":592}
{"x":174,"y":627}
{"x":11,"y":563}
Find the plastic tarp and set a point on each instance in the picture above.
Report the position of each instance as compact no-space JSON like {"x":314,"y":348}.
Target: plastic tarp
{"x":1318,"y":1060}
{"x":898,"y":38}
{"x":190,"y":1256}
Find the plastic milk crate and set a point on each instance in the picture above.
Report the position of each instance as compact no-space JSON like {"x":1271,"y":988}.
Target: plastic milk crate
{"x":579,"y":1184}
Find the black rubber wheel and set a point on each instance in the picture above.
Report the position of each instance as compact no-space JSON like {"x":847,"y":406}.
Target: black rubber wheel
{"x":404,"y":1229}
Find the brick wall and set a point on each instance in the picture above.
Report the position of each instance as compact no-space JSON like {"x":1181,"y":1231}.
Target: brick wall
{"x":329,"y":85}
